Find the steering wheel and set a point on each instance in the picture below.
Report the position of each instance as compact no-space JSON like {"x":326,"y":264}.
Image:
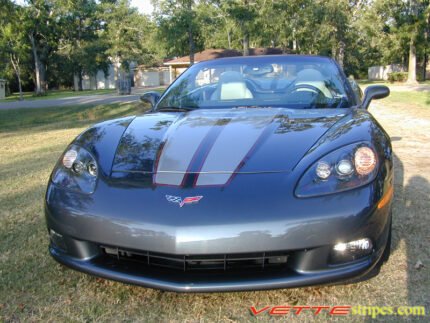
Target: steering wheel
{"x":310,"y":88}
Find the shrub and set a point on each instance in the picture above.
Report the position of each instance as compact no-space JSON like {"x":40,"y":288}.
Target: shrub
{"x":397,"y":77}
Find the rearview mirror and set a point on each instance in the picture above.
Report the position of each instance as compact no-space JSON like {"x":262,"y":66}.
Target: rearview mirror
{"x":258,"y":70}
{"x":374,"y":92}
{"x":150,"y":98}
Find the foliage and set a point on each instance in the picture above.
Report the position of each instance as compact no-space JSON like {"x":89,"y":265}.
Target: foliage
{"x":59,"y":40}
{"x":126,"y":32}
{"x":397,"y":77}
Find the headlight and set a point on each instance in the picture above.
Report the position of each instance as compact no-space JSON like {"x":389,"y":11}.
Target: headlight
{"x":346,"y":168}
{"x":77,"y":170}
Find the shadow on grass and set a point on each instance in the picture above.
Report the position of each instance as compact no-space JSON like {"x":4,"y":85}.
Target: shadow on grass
{"x":410,"y":226}
{"x":52,"y":118}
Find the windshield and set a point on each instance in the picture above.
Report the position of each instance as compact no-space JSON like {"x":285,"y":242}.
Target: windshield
{"x":298,"y":82}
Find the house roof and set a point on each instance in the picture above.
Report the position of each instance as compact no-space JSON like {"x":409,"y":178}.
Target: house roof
{"x":208,"y":54}
{"x":205,"y":55}
{"x":265,"y":51}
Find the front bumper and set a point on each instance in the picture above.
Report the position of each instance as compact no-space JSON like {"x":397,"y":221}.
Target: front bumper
{"x":192,"y":282}
{"x":306,"y":229}
{"x":303,"y":268}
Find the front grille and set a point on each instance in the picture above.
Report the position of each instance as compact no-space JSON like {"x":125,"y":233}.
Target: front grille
{"x":210,"y":263}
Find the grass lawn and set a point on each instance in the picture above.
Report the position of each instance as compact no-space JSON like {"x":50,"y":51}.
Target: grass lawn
{"x":401,"y":97}
{"x":55,"y":94}
{"x":369,"y":82}
{"x":407,"y":99}
{"x":33,"y":287}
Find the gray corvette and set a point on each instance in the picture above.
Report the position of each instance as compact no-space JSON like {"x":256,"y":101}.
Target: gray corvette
{"x":248,"y":173}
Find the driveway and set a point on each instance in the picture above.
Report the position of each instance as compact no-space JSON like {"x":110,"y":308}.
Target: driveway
{"x":77,"y":100}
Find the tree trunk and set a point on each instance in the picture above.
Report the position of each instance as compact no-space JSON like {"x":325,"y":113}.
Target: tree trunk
{"x":75,"y":82}
{"x":190,"y":31}
{"x":36,"y":64}
{"x":21,"y":97}
{"x":246,"y":44}
{"x":294,"y":40}
{"x":425,"y":58}
{"x":334,"y":50}
{"x":191,"y":44}
{"x":341,"y":54}
{"x":17,"y":69}
{"x":229,"y":38}
{"x":80,"y":87}
{"x":39,"y":68}
{"x":412,"y":73}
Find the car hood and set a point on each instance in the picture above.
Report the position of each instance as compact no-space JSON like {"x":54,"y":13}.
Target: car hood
{"x":207,"y":147}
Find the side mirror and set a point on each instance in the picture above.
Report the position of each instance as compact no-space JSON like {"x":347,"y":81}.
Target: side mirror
{"x":374,"y":92}
{"x":150,"y":98}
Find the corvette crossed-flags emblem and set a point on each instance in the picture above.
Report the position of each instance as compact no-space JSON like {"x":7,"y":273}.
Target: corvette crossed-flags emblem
{"x":182,"y":202}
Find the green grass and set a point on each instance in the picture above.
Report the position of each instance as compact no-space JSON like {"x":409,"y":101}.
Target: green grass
{"x":33,"y":287}
{"x":63,"y":117}
{"x":407,"y":99}
{"x":55,"y":94}
{"x":400,"y":96}
{"x":368,"y":82}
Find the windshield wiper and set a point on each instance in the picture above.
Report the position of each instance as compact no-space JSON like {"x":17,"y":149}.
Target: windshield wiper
{"x":176,"y":109}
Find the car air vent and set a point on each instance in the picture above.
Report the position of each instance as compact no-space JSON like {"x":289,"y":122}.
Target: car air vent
{"x":217,"y":262}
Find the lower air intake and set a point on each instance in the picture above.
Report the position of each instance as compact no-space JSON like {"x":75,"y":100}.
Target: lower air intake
{"x":219,"y":262}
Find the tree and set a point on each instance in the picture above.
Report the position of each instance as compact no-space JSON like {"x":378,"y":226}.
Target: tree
{"x":41,"y":27}
{"x":243,"y":14}
{"x":405,"y":23}
{"x":417,"y":16}
{"x":178,"y":27}
{"x":13,"y":45}
{"x":127,"y":34}
{"x":79,"y":41}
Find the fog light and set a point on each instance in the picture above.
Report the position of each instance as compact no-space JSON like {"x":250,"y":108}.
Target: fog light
{"x":362,"y":244}
{"x":349,"y":251}
{"x":57,"y":240}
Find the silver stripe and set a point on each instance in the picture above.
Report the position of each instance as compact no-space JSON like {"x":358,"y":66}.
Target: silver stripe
{"x":231,"y":147}
{"x":180,"y":148}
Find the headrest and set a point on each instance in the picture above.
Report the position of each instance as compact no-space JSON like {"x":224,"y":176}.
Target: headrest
{"x":231,"y":76}
{"x":310,"y":74}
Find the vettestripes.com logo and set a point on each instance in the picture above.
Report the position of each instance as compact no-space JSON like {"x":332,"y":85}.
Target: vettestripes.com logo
{"x":342,"y":310}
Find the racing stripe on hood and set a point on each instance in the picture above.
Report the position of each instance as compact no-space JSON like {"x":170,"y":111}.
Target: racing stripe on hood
{"x":202,"y":152}
{"x":178,"y":150}
{"x":230,"y":150}
{"x":186,"y":148}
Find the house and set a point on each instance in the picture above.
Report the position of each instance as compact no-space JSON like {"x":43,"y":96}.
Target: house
{"x":179,"y":65}
{"x":380,"y":73}
{"x":151,"y":76}
{"x":2,"y":89}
